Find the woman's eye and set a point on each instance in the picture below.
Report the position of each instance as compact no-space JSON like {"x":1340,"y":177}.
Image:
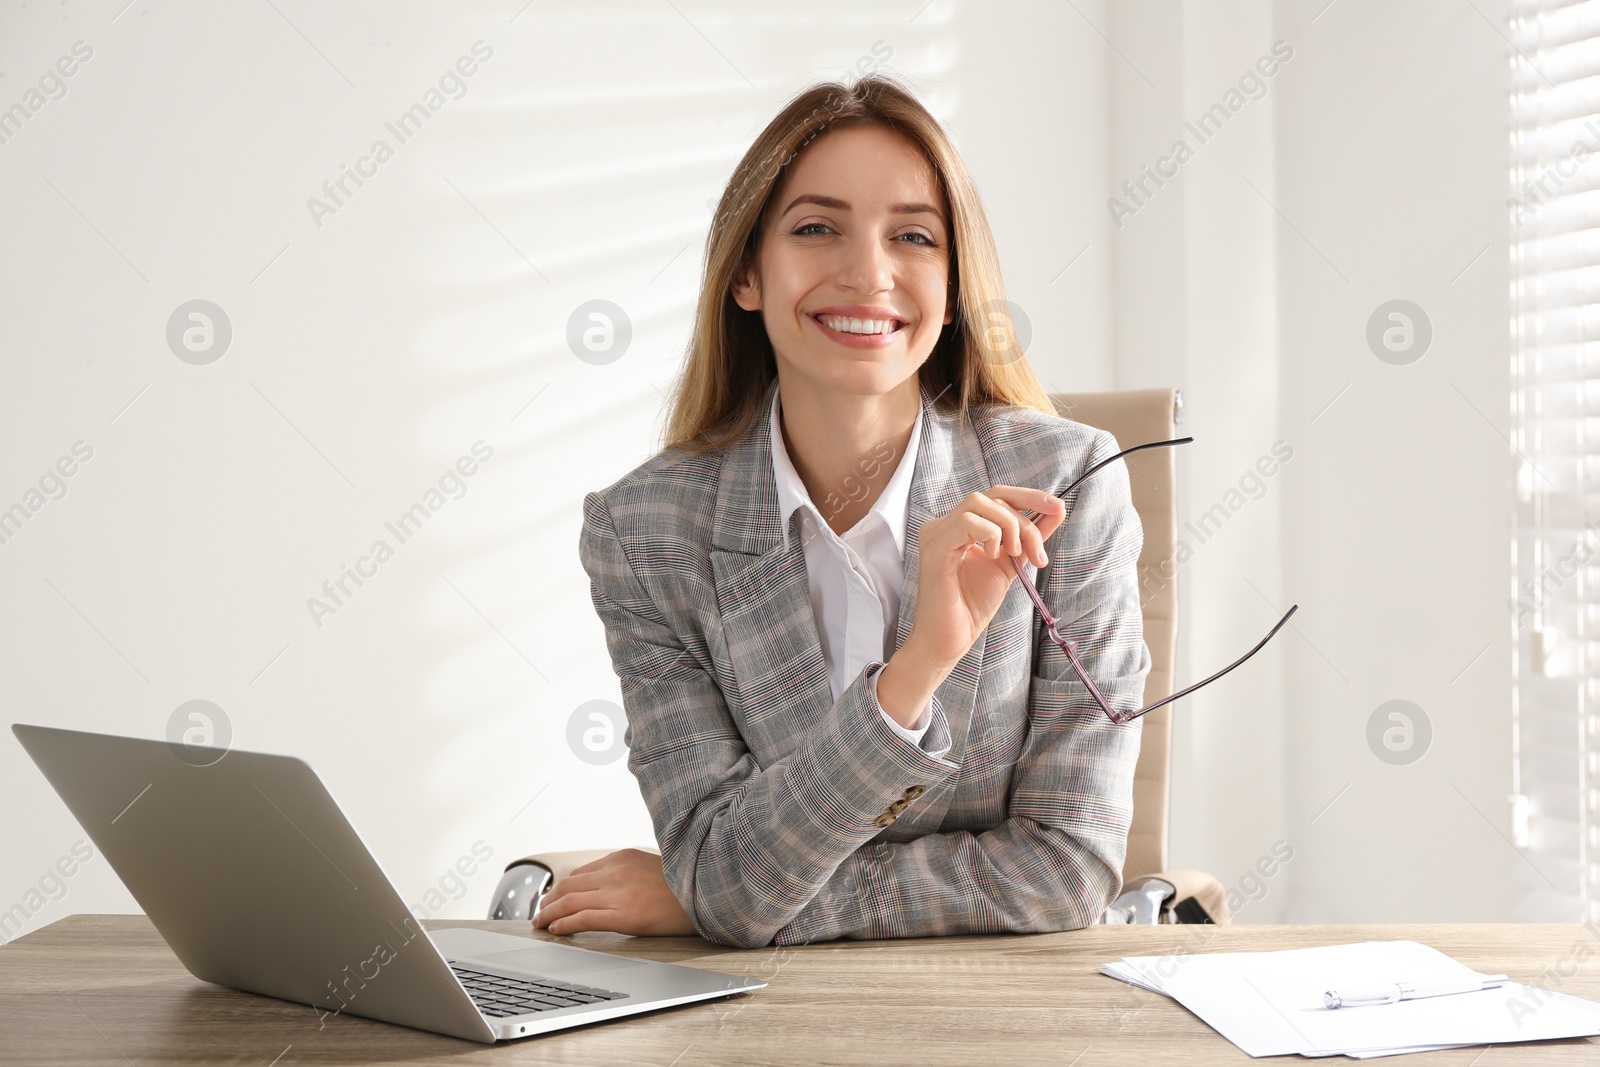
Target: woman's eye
{"x":923,"y":239}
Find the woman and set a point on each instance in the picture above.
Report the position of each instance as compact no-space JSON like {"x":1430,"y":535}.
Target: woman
{"x":842,"y":712}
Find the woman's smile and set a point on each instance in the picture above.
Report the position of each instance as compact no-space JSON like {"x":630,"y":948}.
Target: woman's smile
{"x":859,"y":327}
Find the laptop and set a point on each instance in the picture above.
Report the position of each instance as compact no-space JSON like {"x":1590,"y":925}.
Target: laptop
{"x":254,"y":877}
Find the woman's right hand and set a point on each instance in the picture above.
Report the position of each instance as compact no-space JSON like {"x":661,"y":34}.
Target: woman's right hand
{"x":959,"y":584}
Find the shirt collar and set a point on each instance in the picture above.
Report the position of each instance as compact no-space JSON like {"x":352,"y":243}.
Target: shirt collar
{"x":891,"y":506}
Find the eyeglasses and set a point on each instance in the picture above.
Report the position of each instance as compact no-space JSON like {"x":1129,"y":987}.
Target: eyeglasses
{"x":1071,"y":647}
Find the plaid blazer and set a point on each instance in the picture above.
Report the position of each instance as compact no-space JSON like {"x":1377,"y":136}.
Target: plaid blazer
{"x":767,"y":795}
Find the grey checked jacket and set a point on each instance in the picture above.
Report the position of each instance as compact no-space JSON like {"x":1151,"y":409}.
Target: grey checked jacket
{"x":771,"y":801}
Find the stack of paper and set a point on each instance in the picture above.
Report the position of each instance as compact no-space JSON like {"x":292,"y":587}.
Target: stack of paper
{"x":1270,"y":1003}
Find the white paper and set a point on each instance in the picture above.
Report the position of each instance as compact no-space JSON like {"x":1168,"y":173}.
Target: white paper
{"x":1371,"y":1053}
{"x":1132,"y":977}
{"x":1270,"y":1003}
{"x":1127,"y":973}
{"x":1367,"y":1054}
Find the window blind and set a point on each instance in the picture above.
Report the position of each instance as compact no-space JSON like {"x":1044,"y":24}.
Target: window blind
{"x":1555,"y":372}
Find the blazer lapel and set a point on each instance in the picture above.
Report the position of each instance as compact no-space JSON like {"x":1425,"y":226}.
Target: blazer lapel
{"x":763,"y":595}
{"x":950,"y":465}
{"x":779,"y":671}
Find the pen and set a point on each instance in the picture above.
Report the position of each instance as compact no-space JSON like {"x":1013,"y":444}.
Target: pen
{"x":1397,"y":991}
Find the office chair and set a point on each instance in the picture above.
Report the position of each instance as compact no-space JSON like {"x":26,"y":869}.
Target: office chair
{"x":1151,"y":894}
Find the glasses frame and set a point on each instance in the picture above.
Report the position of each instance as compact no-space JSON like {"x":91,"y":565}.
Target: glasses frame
{"x":1071,"y":647}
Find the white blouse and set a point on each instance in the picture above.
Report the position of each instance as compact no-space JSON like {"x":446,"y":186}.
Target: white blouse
{"x":855,"y":580}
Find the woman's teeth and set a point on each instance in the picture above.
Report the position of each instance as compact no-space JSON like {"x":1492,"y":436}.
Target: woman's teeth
{"x":849,"y":325}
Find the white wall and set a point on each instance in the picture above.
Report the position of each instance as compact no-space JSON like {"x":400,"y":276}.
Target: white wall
{"x":1372,"y":167}
{"x":429,"y":312}
{"x":1393,"y":161}
{"x":1196,"y":306}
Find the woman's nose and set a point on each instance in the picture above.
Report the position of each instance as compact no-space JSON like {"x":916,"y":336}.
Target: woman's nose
{"x":867,"y":267}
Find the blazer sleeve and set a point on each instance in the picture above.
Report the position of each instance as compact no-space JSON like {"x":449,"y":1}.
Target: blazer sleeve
{"x":1056,"y":860}
{"x":744,"y":848}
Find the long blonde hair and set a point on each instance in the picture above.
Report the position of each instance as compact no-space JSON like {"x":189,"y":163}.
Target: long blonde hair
{"x":977,"y":359}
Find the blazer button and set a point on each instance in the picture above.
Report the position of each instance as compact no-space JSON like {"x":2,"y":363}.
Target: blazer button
{"x":914,"y":792}
{"x":883,"y":820}
{"x":900,"y":805}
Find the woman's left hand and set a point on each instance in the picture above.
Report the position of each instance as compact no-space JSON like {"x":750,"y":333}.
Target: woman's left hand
{"x":624,"y":893}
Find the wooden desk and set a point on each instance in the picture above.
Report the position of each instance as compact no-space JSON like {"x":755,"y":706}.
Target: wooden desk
{"x":105,"y":989}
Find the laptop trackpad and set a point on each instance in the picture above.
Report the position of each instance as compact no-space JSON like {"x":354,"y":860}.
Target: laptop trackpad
{"x":556,"y":961}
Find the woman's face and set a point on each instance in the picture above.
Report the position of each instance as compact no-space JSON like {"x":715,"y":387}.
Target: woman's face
{"x":857,"y":230}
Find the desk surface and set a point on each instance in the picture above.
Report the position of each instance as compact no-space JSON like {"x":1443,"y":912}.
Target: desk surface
{"x":105,"y":989}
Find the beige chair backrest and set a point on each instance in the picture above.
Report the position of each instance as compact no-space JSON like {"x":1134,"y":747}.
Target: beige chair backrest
{"x":1135,"y":417}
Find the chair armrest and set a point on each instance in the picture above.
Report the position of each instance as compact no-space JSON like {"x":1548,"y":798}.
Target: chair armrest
{"x":1202,"y":888}
{"x":527,"y":880}
{"x":1170,"y":897}
{"x":561,"y":864}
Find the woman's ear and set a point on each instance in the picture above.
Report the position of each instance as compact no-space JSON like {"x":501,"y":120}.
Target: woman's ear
{"x":746,"y":291}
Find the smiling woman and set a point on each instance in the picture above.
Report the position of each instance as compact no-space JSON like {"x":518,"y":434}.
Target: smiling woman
{"x":841,"y":720}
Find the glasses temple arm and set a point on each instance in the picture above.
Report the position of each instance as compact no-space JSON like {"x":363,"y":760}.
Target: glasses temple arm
{"x":1112,"y":459}
{"x":1189,"y":689}
{"x":1050,"y":622}
{"x":1119,"y":455}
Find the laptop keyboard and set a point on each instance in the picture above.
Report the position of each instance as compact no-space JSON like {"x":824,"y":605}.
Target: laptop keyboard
{"x":499,"y":996}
